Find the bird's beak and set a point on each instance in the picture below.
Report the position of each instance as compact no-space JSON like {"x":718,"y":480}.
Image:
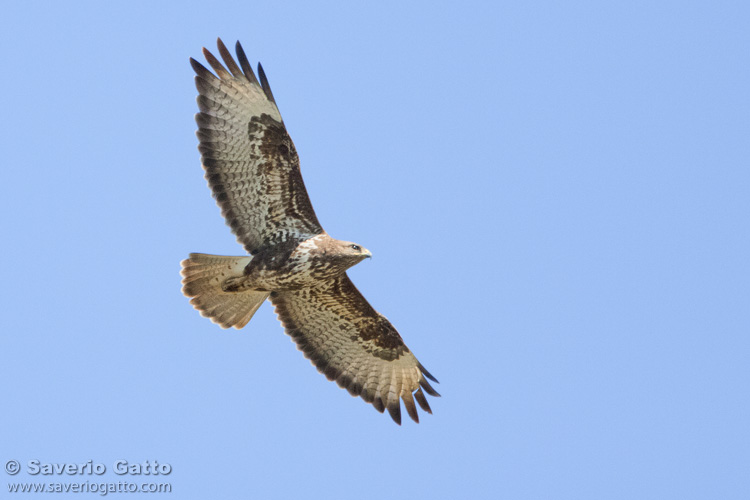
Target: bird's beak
{"x":367,"y":253}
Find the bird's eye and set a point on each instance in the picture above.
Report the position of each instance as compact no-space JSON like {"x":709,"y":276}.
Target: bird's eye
{"x":356,"y":247}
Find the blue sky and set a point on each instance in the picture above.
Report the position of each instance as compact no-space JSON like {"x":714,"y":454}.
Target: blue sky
{"x":556,"y":195}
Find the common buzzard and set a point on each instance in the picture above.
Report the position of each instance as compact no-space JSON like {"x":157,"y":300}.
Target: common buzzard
{"x":253,"y":170}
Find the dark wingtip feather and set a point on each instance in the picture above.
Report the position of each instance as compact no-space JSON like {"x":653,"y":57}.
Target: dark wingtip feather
{"x":220,"y":70}
{"x":395,"y":411}
{"x":422,"y":400}
{"x":427,"y":374}
{"x":411,"y":409}
{"x":428,"y":388}
{"x":249,"y":73}
{"x":228,"y":59}
{"x":377,"y":402}
{"x":200,"y":69}
{"x":264,"y":84}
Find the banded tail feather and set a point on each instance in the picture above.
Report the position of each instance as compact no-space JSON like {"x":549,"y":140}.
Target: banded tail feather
{"x":202,"y":278}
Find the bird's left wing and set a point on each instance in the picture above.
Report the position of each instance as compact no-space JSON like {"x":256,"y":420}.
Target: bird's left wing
{"x":349,"y":342}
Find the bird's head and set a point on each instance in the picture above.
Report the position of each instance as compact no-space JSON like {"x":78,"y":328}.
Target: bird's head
{"x":354,"y":251}
{"x":345,"y":254}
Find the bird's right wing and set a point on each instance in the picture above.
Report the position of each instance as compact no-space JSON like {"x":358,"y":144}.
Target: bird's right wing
{"x":250,"y":161}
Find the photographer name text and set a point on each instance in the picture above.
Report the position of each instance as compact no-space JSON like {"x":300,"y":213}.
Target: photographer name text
{"x":119,"y":467}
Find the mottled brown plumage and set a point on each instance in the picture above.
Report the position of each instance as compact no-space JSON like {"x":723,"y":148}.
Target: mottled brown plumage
{"x":252,"y":168}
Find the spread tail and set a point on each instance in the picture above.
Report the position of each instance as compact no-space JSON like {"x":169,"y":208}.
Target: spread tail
{"x":202,"y":279}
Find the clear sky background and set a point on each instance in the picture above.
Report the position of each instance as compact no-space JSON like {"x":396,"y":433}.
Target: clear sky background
{"x":556,"y":195}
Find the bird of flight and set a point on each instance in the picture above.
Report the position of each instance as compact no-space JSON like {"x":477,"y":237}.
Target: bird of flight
{"x":253,"y":170}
